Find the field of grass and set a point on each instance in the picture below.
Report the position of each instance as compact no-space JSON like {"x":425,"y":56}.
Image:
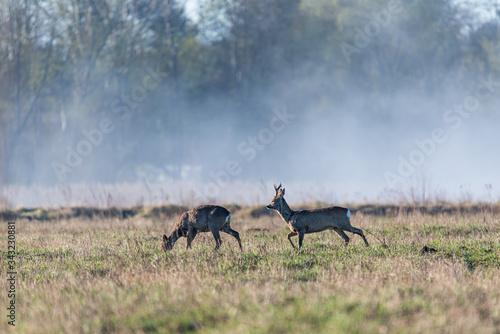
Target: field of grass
{"x":104,"y":275}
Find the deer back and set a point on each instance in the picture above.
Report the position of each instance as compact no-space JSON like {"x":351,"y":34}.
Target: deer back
{"x":202,"y":216}
{"x":321,"y":219}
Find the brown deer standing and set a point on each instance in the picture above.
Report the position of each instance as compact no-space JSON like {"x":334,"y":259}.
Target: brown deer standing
{"x":203,"y":218}
{"x":312,"y":221}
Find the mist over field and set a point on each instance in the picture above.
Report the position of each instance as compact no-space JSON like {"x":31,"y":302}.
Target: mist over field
{"x":122,"y":103}
{"x":119,"y":118}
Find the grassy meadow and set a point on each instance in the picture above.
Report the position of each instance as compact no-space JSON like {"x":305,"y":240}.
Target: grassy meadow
{"x":107,"y":274}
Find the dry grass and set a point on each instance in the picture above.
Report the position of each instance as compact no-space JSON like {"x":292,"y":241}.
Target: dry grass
{"x":110,"y":275}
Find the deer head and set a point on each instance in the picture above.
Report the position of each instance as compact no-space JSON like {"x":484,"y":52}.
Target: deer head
{"x":168,"y":243}
{"x":277,"y":199}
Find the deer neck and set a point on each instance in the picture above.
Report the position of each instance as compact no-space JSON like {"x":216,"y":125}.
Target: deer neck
{"x":174,"y":236}
{"x":285,"y":212}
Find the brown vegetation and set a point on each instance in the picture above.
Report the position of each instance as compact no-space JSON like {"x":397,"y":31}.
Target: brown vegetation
{"x":110,"y":275}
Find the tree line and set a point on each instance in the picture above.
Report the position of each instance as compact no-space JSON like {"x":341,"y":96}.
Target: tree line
{"x":65,"y":65}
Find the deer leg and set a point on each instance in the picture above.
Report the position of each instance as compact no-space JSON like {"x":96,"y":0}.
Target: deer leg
{"x":218,"y":240}
{"x":301,"y":238}
{"x":190,"y":237}
{"x":227,"y":229}
{"x":360,"y":233}
{"x":342,"y":234}
{"x":290,"y":235}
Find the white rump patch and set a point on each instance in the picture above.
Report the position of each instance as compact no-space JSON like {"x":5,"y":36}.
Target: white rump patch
{"x":228,"y":218}
{"x":348,"y":213}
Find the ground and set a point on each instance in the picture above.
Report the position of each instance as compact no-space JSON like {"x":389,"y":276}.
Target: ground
{"x":91,"y":275}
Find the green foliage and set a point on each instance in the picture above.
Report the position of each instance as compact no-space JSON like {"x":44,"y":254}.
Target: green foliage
{"x":109,"y":275}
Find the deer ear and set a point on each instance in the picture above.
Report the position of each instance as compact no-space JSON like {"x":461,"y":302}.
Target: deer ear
{"x":165,"y":239}
{"x":283,"y":192}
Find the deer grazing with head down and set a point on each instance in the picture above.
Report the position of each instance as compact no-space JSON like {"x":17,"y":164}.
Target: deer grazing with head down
{"x":205,"y":218}
{"x":311,"y":221}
